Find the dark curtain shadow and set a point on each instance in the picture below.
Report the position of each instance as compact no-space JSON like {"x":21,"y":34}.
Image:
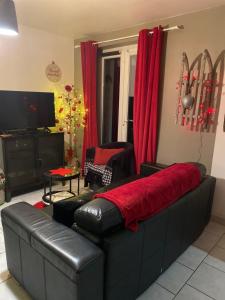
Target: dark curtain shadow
{"x":161,"y":83}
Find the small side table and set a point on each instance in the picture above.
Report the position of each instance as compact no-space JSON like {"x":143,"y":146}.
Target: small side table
{"x":51,"y":178}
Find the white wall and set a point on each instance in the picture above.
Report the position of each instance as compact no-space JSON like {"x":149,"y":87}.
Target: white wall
{"x":218,"y":163}
{"x":23,"y":60}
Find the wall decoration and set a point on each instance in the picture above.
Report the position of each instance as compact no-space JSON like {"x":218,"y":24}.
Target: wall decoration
{"x":53,"y":72}
{"x":70,"y":117}
{"x":199,"y":92}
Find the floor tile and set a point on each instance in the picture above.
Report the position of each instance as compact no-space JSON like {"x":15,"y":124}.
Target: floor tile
{"x":192,"y":257}
{"x":2,"y":241}
{"x":156,"y":292}
{"x":209,"y":281}
{"x":4,"y":274}
{"x":175,"y":277}
{"x":221,"y":242}
{"x":189,"y":293}
{"x":206,"y":241}
{"x":215,"y":228}
{"x":11,"y":290}
{"x":216,"y":258}
{"x":36,"y":196}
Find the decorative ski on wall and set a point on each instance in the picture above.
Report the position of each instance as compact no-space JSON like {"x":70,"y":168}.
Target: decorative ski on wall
{"x":199,"y":92}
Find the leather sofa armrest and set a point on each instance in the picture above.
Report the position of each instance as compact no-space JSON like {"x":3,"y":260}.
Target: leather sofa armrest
{"x":70,"y":254}
{"x":99,"y":216}
{"x":63,"y":210}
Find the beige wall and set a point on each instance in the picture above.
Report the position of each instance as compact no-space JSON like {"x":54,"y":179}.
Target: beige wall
{"x":202,"y":30}
{"x":23,"y":60}
{"x":218,"y":163}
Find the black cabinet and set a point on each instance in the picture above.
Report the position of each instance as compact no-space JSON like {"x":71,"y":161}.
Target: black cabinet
{"x":50,"y":150}
{"x":24,"y":158}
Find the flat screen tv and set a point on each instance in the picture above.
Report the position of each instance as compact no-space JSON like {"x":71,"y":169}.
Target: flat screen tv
{"x":26,"y":110}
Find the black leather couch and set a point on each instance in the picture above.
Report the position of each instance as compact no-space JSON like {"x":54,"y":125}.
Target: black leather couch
{"x":98,"y":259}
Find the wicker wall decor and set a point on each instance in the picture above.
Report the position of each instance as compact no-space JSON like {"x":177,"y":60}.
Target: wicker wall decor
{"x":199,"y":92}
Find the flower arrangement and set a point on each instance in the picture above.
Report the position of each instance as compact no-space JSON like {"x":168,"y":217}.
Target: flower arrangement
{"x":70,"y":117}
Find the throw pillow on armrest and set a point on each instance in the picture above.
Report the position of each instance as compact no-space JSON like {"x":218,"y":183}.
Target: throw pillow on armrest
{"x":102,"y":156}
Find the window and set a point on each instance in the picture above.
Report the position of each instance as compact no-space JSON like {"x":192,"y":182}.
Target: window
{"x":117,"y":93}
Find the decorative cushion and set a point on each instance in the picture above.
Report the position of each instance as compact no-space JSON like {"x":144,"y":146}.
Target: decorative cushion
{"x":102,"y":156}
{"x":102,"y":170}
{"x":2,"y":178}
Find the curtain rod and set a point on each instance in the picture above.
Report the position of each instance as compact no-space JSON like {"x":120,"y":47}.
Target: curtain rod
{"x":177,"y":27}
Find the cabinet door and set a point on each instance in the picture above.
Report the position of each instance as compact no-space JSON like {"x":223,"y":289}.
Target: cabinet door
{"x":50,"y":151}
{"x":20,"y":163}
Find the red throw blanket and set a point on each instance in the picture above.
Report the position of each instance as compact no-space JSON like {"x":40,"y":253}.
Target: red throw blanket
{"x":140,"y":199}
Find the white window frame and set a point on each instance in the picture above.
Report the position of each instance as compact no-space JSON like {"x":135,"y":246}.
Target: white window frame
{"x":125,"y":54}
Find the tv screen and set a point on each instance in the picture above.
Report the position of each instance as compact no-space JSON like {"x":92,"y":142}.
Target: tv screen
{"x":26,"y":110}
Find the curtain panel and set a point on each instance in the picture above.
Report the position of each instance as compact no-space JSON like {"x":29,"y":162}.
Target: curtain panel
{"x":89,"y":73}
{"x":146,"y":96}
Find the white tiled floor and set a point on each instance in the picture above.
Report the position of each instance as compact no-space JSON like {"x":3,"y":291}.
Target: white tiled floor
{"x":198,"y":274}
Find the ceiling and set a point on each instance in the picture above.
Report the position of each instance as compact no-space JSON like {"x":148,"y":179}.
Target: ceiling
{"x":79,"y":18}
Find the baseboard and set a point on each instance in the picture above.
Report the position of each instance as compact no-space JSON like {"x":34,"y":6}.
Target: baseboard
{"x":217,"y":219}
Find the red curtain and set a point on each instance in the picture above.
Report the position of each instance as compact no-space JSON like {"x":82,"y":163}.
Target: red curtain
{"x":89,"y":72}
{"x":146,"y":95}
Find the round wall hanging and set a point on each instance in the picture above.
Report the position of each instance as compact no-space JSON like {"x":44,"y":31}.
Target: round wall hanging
{"x":53,"y":72}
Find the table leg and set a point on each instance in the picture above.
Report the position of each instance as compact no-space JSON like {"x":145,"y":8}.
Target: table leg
{"x":70,"y":186}
{"x":44,"y":187}
{"x":78,"y":185}
{"x":50,"y":190}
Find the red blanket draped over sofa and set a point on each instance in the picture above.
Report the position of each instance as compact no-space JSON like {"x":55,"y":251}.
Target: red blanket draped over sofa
{"x":140,"y":199}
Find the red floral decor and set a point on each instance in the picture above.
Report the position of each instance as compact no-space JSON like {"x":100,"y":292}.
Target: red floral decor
{"x":70,"y":118}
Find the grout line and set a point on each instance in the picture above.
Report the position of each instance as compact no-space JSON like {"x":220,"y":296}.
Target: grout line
{"x":200,"y":291}
{"x":185,"y":280}
{"x":203,"y":262}
{"x":10,"y":276}
{"x":214,"y":233}
{"x":184,"y":265}
{"x":165,"y":288}
{"x":194,"y":271}
{"x":220,"y":240}
{"x":214,"y":267}
{"x":198,"y":264}
{"x":215,"y":245}
{"x":218,"y":247}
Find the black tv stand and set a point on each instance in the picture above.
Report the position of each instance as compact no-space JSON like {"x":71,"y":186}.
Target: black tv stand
{"x":46,"y":129}
{"x":26,"y":155}
{"x":28,"y":131}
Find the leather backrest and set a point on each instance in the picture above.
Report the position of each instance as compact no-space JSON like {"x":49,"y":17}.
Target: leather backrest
{"x":100,"y":216}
